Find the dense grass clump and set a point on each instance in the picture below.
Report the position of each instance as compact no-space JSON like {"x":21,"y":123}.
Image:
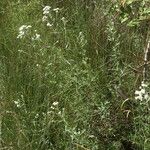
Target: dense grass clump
{"x":72,"y":75}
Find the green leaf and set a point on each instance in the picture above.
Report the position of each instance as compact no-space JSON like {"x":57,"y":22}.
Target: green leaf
{"x":133,"y":23}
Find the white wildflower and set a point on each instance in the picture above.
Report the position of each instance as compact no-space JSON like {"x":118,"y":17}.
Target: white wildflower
{"x":59,"y":113}
{"x":20,"y":35}
{"x":64,"y":20}
{"x":139,"y":97}
{"x":46,"y":10}
{"x":146,"y":96}
{"x":17,"y":103}
{"x":137,"y":92}
{"x":36,"y":116}
{"x":56,"y":10}
{"x":49,"y":24}
{"x":142,"y":93}
{"x":29,"y":26}
{"x":44,"y":19}
{"x":36,"y":37}
{"x":49,"y":112}
{"x":22,"y":27}
{"x":19,"y":50}
{"x":52,"y":107}
{"x":143,"y":84}
{"x":23,"y":30}
{"x":55,"y":103}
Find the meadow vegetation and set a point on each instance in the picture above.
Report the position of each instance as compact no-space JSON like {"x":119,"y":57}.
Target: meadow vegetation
{"x":71,"y":75}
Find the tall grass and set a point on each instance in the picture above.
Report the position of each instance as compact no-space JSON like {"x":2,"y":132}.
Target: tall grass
{"x":72,"y":87}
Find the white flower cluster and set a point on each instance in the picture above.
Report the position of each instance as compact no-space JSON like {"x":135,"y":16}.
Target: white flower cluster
{"x":46,"y":13}
{"x":56,"y":10}
{"x":49,"y":24}
{"x":142,"y":93}
{"x":36,"y":37}
{"x":64,"y":20}
{"x":54,"y":105}
{"x":44,"y":19}
{"x":17,"y":103}
{"x":23,"y":30}
{"x":54,"y":109}
{"x":46,"y":10}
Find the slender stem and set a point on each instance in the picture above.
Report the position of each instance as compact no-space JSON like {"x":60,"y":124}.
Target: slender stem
{"x":146,"y":60}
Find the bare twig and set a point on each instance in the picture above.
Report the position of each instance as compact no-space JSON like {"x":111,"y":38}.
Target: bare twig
{"x":81,"y":146}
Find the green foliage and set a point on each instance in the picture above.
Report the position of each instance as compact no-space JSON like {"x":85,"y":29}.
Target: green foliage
{"x":67,"y":77}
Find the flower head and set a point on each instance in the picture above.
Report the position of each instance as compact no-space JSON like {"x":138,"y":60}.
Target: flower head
{"x":56,"y":10}
{"x":142,"y":93}
{"x":55,"y":103}
{"x":46,"y":10}
{"x":23,"y":30}
{"x":36,"y":37}
{"x":44,"y":18}
{"x":49,"y":24}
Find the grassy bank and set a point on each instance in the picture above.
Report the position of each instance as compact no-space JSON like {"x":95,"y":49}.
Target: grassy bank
{"x":69,"y":72}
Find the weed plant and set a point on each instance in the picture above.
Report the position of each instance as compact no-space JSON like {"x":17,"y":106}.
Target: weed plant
{"x":69,"y":72}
